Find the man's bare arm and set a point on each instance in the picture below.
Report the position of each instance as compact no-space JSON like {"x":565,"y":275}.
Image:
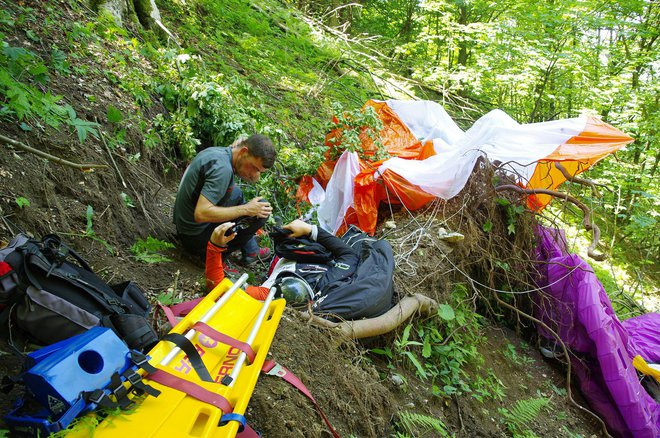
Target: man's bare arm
{"x":206,"y":211}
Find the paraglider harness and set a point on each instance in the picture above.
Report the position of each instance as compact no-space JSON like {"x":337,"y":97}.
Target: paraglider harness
{"x":352,"y":276}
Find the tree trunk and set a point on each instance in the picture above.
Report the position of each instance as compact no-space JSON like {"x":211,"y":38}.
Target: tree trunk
{"x":141,"y":12}
{"x":463,"y":51}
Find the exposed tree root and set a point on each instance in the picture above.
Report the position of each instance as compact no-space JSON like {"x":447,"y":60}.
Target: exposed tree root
{"x":49,"y":157}
{"x":587,"y":222}
{"x":365,"y":328}
{"x":577,"y":180}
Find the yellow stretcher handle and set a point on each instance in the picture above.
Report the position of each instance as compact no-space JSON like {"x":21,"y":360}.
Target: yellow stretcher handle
{"x":644,"y":368}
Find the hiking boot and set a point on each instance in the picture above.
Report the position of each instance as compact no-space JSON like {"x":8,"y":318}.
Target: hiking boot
{"x":262,"y":255}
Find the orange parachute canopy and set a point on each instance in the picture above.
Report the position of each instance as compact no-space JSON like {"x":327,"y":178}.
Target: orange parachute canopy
{"x":595,"y":142}
{"x":371,"y":185}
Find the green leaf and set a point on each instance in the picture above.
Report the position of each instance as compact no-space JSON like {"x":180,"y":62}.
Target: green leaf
{"x":511,"y":228}
{"x":446,"y":312}
{"x":418,"y":366}
{"x":166,"y":298}
{"x":406,"y":334}
{"x":22,"y":202}
{"x":488,"y":225}
{"x":25,"y":127}
{"x":114,"y":115}
{"x":5,"y":18}
{"x":83,"y":127}
{"x":128,"y":202}
{"x":147,"y":251}
{"x":449,"y":389}
{"x":31,"y":35}
{"x":151,"y":258}
{"x":39,"y":73}
{"x":426,"y":349}
{"x":16,"y":53}
{"x":384,"y":352}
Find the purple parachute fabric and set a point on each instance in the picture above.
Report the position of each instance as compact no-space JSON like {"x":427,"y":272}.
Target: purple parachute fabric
{"x":574,"y":304}
{"x":645,"y":336}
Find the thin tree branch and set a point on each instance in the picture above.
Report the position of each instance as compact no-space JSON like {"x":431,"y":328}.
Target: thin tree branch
{"x":49,"y":157}
{"x":112,"y":159}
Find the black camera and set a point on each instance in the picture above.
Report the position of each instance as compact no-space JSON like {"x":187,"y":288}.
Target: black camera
{"x":241,"y":223}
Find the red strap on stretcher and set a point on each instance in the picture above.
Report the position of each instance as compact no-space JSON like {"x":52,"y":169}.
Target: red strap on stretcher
{"x":180,"y":309}
{"x":192,"y":389}
{"x":212,"y":333}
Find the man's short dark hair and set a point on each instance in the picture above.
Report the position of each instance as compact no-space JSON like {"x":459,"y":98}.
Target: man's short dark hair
{"x":260,"y":146}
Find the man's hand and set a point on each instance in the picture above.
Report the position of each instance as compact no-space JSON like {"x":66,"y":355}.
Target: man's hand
{"x":218,"y":237}
{"x":298,"y":228}
{"x":258,"y":208}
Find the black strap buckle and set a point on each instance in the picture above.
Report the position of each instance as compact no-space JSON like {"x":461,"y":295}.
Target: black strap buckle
{"x":133,"y":377}
{"x":142,"y":361}
{"x":96,"y":396}
{"x":114,"y":302}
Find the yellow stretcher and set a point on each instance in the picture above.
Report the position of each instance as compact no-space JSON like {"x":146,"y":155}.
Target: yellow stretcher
{"x":176,"y":414}
{"x":650,"y":370}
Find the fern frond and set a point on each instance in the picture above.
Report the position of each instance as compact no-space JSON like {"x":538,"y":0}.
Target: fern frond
{"x":523,"y":413}
{"x":411,"y":421}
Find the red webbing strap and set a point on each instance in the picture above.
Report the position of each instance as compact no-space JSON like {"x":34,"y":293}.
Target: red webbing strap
{"x":212,"y":333}
{"x":168,"y":314}
{"x":180,"y":309}
{"x":248,"y":432}
{"x":274,"y":369}
{"x":192,"y":389}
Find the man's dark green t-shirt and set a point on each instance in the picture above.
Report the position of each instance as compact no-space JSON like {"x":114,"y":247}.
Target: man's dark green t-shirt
{"x":210,"y":174}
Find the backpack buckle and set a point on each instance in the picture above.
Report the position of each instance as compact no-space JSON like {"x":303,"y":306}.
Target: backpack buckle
{"x":142,"y":361}
{"x":119,"y":392}
{"x":116,"y":303}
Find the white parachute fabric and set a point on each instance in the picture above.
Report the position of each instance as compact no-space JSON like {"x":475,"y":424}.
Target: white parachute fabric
{"x":339,"y":192}
{"x":495,"y":135}
{"x":427,"y":120}
{"x":443,"y":175}
{"x":317,"y":194}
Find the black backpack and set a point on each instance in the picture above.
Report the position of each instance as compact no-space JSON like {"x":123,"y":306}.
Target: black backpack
{"x":50,"y":293}
{"x":369,"y":292}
